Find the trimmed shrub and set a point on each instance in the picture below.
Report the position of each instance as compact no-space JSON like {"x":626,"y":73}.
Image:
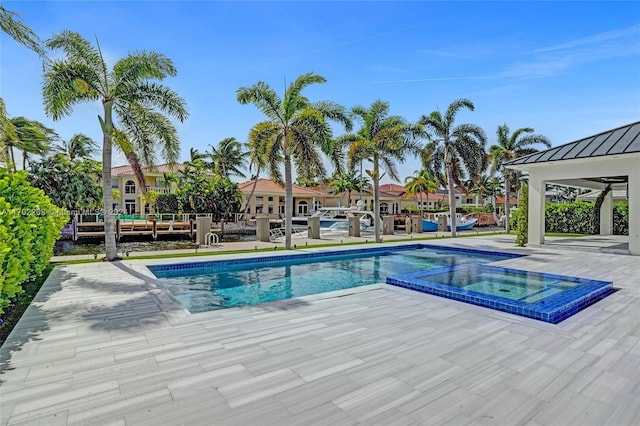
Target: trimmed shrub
{"x":29,"y":227}
{"x":578,"y":218}
{"x":522,"y":215}
{"x":621,"y":219}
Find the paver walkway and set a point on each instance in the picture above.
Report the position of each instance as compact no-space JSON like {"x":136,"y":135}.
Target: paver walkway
{"x":103,"y":345}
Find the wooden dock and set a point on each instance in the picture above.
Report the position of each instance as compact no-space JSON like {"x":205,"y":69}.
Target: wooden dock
{"x":138,"y":227}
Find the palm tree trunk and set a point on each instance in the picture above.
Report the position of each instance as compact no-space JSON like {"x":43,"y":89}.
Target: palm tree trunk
{"x":253,"y":189}
{"x":506,"y":199}
{"x":376,"y":197}
{"x":288,"y":201}
{"x":12,"y":158}
{"x":452,"y":200}
{"x":109,"y":223}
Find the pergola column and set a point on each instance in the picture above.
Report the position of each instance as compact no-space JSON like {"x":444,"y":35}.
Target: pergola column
{"x":606,"y":215}
{"x":537,"y":188}
{"x":634,"y":212}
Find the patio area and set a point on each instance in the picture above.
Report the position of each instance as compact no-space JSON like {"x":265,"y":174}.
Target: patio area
{"x":103,"y":344}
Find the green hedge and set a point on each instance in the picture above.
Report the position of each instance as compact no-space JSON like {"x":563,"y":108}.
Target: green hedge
{"x":29,"y":227}
{"x":577,"y":218}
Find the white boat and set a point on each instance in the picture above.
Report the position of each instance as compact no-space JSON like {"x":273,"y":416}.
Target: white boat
{"x":462,"y":222}
{"x":332,"y":215}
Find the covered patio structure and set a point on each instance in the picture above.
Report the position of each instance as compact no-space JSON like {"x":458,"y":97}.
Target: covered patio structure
{"x":608,"y":158}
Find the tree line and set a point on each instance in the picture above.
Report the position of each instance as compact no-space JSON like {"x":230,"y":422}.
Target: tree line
{"x":137,"y":113}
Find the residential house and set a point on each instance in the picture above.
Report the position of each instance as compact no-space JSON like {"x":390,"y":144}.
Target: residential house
{"x":124,"y":180}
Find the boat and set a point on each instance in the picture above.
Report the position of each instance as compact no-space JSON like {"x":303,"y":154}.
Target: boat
{"x":332,"y":215}
{"x":462,"y":222}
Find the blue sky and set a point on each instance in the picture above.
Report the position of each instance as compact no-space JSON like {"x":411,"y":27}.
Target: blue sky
{"x":567,"y":69}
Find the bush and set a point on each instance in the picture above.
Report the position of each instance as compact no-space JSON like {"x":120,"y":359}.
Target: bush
{"x":522,"y":218}
{"x":167,"y":203}
{"x":578,"y":218}
{"x":621,"y":219}
{"x":29,"y":227}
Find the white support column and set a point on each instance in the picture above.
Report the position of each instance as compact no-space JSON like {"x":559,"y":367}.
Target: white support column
{"x":536,"y":209}
{"x":634,"y":212}
{"x":606,"y":215}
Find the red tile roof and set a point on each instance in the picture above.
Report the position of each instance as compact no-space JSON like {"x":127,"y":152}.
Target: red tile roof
{"x":269,"y":186}
{"x":159,"y":169}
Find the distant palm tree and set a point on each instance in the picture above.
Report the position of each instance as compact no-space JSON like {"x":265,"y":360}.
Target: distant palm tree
{"x":11,"y":25}
{"x":346,"y":182}
{"x":382,"y":139}
{"x":421,"y":182}
{"x":79,"y":147}
{"x":256,"y":161}
{"x":227,"y":158}
{"x":30,"y":137}
{"x":510,"y":147}
{"x":295,"y":132}
{"x":459,"y":148}
{"x":135,"y":105}
{"x":479,"y":188}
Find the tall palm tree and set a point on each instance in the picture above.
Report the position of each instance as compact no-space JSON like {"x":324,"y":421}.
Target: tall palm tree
{"x":421,"y":182}
{"x":480,"y":187}
{"x":382,"y":139}
{"x":509,"y":147}
{"x":135,"y":105}
{"x":227,"y":158}
{"x":80,"y":146}
{"x":459,"y":148}
{"x":256,"y":160}
{"x":30,"y":137}
{"x":294,"y":133}
{"x":11,"y":25}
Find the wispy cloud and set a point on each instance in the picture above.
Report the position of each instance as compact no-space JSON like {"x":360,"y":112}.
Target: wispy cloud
{"x":466,"y":52}
{"x":590,"y":40}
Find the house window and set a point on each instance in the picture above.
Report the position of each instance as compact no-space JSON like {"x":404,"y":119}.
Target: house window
{"x":396,"y":208}
{"x":270,"y":198}
{"x":130,"y":187}
{"x":270,"y":208}
{"x":469,"y":200}
{"x":259,"y":208}
{"x":303,"y":207}
{"x":259,"y":198}
{"x":384,"y":208}
{"x":281,"y":210}
{"x":317,"y":205}
{"x":115,"y":183}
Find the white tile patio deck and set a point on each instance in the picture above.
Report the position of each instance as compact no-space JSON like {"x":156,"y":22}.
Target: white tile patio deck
{"x":103,"y":345}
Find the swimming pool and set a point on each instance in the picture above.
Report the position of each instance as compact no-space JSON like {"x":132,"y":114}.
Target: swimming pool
{"x":205,"y":286}
{"x":458,"y":274}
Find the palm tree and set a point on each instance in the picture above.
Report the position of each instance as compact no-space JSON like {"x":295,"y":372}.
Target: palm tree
{"x":460,"y":148}
{"x":346,"y":182}
{"x":257,"y":160}
{"x":135,"y":106}
{"x":28,"y":136}
{"x":510,"y":147}
{"x":11,"y":25}
{"x":227,"y":158}
{"x":421,"y":182}
{"x":80,"y":146}
{"x":382,"y":139}
{"x":294,"y":133}
{"x":480,"y":187}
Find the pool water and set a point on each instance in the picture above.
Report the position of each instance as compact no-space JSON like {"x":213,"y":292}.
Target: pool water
{"x":463,"y":275}
{"x":546,"y":297}
{"x":209,"y":286}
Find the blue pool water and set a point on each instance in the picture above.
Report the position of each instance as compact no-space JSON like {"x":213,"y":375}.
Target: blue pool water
{"x":456,"y":274}
{"x":206,"y":286}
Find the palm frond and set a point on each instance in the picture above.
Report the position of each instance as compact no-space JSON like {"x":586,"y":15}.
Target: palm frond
{"x":65,"y":85}
{"x":154,"y":95}
{"x":11,"y":25}
{"x":263,"y":97}
{"x":78,"y":50}
{"x":455,"y":107}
